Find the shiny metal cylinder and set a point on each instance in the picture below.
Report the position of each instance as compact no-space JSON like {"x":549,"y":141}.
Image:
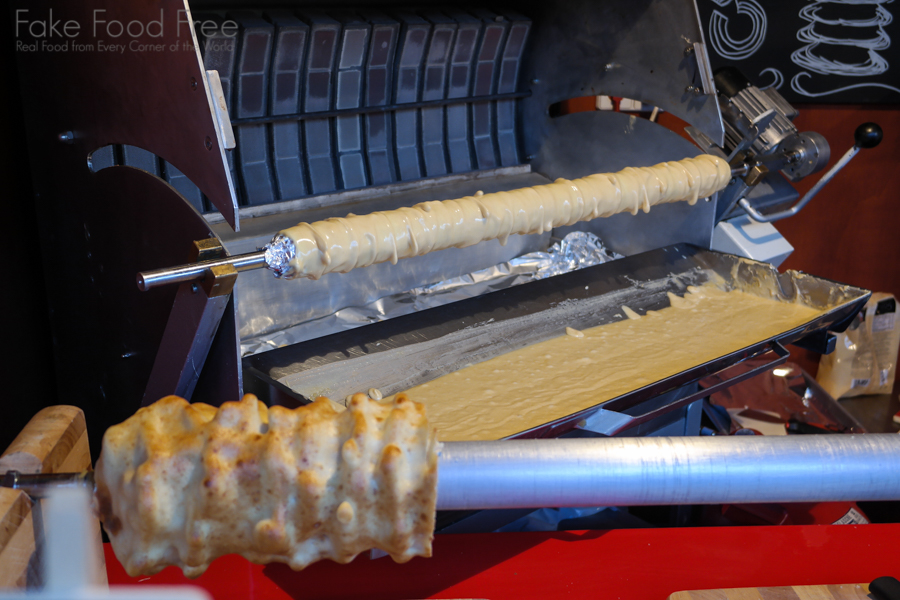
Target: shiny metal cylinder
{"x":668,"y":470}
{"x":196,"y":271}
{"x":39,"y":485}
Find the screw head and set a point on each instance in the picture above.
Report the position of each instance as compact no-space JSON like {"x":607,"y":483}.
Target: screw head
{"x":208,"y":143}
{"x":193,"y":84}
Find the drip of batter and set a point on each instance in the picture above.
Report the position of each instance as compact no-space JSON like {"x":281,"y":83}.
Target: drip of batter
{"x":630,"y":313}
{"x":342,"y":244}
{"x":543,"y":382}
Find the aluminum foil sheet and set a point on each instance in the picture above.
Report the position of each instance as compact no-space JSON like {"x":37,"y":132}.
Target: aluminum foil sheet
{"x":279,"y":254}
{"x":576,"y":251}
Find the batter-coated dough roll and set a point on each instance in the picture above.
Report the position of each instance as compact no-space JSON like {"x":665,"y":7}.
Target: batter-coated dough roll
{"x":182,"y":484}
{"x":342,"y":244}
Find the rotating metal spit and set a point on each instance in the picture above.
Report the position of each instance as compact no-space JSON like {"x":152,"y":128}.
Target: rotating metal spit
{"x":639,"y":471}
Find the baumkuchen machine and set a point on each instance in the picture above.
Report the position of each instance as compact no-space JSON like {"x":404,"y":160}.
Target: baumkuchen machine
{"x":187,"y":142}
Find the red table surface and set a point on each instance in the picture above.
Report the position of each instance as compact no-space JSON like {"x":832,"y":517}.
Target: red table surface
{"x":637,"y":564}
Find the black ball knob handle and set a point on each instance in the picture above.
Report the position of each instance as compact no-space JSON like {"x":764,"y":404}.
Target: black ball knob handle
{"x":868,"y":135}
{"x":885,"y":588}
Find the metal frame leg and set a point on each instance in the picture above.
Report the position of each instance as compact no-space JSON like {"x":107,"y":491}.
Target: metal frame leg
{"x":186,"y":342}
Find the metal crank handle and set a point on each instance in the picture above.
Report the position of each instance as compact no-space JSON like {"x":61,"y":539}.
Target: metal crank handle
{"x":867,"y":135}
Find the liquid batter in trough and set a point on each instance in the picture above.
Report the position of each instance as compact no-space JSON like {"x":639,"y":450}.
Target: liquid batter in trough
{"x":550,"y":380}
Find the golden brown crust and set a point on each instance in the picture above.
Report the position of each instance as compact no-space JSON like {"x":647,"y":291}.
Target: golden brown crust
{"x":182,"y":484}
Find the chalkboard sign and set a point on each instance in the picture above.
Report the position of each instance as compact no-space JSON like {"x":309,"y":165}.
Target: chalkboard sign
{"x":826,"y":51}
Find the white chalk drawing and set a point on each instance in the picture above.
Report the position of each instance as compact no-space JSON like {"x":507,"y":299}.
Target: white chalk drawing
{"x":737,"y":49}
{"x":777,"y":82}
{"x":810,"y":58}
{"x":798,"y":87}
{"x":807,"y":57}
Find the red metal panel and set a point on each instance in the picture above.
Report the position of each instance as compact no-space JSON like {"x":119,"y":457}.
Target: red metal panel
{"x":639,"y":564}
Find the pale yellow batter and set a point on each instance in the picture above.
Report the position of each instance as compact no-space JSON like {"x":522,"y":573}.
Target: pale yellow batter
{"x":342,"y":244}
{"x":543,"y":382}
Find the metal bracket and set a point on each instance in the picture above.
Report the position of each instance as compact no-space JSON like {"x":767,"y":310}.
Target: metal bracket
{"x":755,"y":174}
{"x":609,"y":423}
{"x":823,"y":342}
{"x":220,"y":281}
{"x":221,"y":109}
{"x":704,"y":141}
{"x":705,"y":69}
{"x":208,"y":249}
{"x":192,"y":325}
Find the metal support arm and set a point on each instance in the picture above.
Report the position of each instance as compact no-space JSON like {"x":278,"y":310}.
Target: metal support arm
{"x":193,"y":322}
{"x":867,"y":135}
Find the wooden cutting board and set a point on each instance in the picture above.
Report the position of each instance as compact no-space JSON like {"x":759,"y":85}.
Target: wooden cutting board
{"x":849,"y":591}
{"x":54,"y":441}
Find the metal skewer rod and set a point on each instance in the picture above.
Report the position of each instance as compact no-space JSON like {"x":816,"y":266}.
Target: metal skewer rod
{"x":195,"y":271}
{"x":39,"y":485}
{"x":644,"y":471}
{"x":668,"y":470}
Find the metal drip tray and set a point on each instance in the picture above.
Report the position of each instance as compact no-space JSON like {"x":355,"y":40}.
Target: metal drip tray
{"x":400,"y":353}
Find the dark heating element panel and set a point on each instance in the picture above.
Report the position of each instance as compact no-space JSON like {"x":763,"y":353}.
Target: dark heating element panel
{"x":324,"y":100}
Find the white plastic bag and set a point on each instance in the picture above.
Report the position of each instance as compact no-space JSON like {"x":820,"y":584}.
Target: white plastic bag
{"x":865,"y":359}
